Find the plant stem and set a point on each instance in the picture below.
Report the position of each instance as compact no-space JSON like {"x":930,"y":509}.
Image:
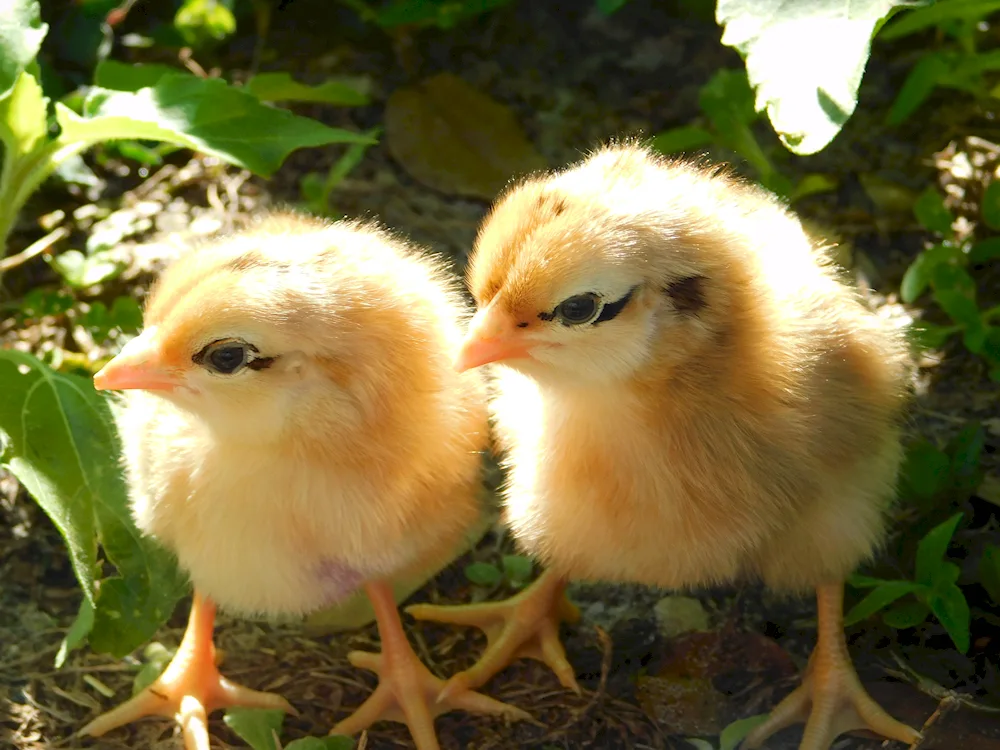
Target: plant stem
{"x":35,"y":248}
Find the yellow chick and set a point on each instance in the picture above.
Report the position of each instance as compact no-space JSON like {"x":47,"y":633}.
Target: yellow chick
{"x":294,"y":430}
{"x":688,"y":395}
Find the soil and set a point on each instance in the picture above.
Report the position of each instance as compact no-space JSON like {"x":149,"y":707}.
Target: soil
{"x":574,"y":78}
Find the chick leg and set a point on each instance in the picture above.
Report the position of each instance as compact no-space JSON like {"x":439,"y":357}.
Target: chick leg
{"x":526,"y":625}
{"x":831,"y":699}
{"x":407,"y":691}
{"x":190,"y":688}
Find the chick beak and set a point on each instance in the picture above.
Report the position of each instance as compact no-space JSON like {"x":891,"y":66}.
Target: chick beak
{"x":492,"y":337}
{"x":138,"y":366}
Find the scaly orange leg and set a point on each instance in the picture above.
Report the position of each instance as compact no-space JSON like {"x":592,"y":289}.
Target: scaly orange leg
{"x":526,"y":625}
{"x":407,"y":691}
{"x":831,"y":699}
{"x":190,"y":688}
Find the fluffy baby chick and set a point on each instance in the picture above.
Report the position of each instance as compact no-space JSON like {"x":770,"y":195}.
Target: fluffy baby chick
{"x":294,"y":430}
{"x":687,"y":395}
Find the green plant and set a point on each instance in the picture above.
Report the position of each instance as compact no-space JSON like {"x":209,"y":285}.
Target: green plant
{"x":934,"y":590}
{"x":728,"y":106}
{"x":261,"y":730}
{"x":316,"y":187}
{"x":514,"y":571}
{"x":730,"y":737}
{"x":944,"y":270}
{"x":162,"y":105}
{"x":960,"y":67}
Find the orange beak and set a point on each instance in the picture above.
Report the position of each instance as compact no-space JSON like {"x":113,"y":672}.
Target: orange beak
{"x":138,"y":366}
{"x":492,"y":337}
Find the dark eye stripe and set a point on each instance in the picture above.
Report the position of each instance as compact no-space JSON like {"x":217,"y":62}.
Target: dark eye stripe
{"x":611,"y":309}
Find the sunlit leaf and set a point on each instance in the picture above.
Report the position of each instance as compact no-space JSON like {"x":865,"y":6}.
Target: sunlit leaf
{"x":280,"y":87}
{"x":21,"y":35}
{"x":932,"y":548}
{"x":80,"y":271}
{"x":75,"y":637}
{"x":921,"y":271}
{"x":805,"y":60}
{"x":119,"y":76}
{"x":727,"y":101}
{"x":203,"y":21}
{"x":23,"y":115}
{"x":936,"y":13}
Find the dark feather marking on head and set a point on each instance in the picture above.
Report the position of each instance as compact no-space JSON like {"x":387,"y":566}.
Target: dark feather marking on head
{"x":261,"y":363}
{"x":611,"y":310}
{"x":547,"y":316}
{"x":688,"y":295}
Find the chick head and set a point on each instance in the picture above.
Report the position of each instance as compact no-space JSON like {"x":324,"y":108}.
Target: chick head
{"x":583,"y":272}
{"x":270,"y":329}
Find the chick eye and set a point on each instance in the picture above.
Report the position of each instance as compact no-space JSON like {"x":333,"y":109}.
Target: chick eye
{"x":226,"y":357}
{"x":578,"y":309}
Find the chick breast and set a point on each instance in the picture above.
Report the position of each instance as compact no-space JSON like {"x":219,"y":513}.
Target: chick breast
{"x":760,"y":439}
{"x":288,"y":497}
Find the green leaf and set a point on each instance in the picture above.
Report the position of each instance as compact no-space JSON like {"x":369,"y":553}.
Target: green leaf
{"x":952,"y":610}
{"x":733,"y":735}
{"x":686,"y":138}
{"x":932,"y":548}
{"x":929,"y":72}
{"x":699,"y":744}
{"x":111,"y":74}
{"x":517,"y":568}
{"x":203,"y":21}
{"x":879,"y":599}
{"x":77,"y":633}
{"x":61,"y":444}
{"x":936,"y":13}
{"x":965,"y":451}
{"x":926,"y":471}
{"x":953,"y":276}
{"x":156,"y":658}
{"x":805,"y":60}
{"x":280,"y":87}
{"x":904,"y":615}
{"x":986,"y":250}
{"x":960,"y":308}
{"x":727,"y":101}
{"x":330,"y":742}
{"x":257,"y":727}
{"x":21,"y":35}
{"x":80,"y":271}
{"x":930,"y":336}
{"x":989,"y":571}
{"x":23,"y":123}
{"x":126,"y":315}
{"x":932,"y":214}
{"x":991,"y":206}
{"x":859,"y":581}
{"x":202,"y":114}
{"x":483,"y":574}
{"x":607,"y":7}
{"x":921,"y":271}
{"x":947,"y":575}
{"x":813,"y":184}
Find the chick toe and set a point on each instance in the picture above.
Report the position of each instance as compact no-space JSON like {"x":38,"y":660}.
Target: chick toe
{"x":831,"y":699}
{"x":407,"y":691}
{"x":190,"y":688}
{"x":526,"y":625}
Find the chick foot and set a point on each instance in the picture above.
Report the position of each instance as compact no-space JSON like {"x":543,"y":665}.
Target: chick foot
{"x":407,"y":691}
{"x":190,"y":688}
{"x":526,"y":625}
{"x":831,"y":699}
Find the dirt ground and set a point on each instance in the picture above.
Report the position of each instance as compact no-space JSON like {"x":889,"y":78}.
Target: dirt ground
{"x":573,"y":79}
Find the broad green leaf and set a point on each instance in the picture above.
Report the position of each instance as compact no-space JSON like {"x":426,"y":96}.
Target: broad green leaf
{"x":685,"y":138}
{"x":156,"y":658}
{"x":932,"y":548}
{"x":21,"y":35}
{"x":61,"y":443}
{"x":859,"y":581}
{"x":23,"y":115}
{"x":879,"y":599}
{"x":989,"y":571}
{"x":946,"y":575}
{"x":330,"y":742}
{"x":727,"y":101}
{"x":930,"y":336}
{"x":921,"y":271}
{"x":80,"y":271}
{"x":733,"y":735}
{"x":119,"y":76}
{"x":255,"y":726}
{"x":805,"y":59}
{"x":203,"y":21}
{"x":928,"y":73}
{"x":952,"y":610}
{"x":953,"y":277}
{"x":83,"y":623}
{"x":483,"y":574}
{"x":517,"y":568}
{"x":932,"y":214}
{"x":202,"y":114}
{"x":989,"y":249}
{"x":932,"y":15}
{"x":904,"y":615}
{"x":991,"y":206}
{"x":925,"y":472}
{"x":280,"y":87}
